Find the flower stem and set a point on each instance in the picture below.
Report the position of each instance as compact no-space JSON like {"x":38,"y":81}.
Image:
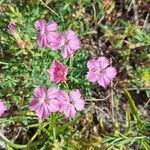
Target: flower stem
{"x":133,"y":107}
{"x":7,"y":141}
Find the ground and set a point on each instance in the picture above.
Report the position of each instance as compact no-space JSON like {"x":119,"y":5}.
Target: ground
{"x":116,"y":29}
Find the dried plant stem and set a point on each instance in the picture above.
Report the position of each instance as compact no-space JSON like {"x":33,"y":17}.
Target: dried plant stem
{"x":133,"y":89}
{"x":130,"y":6}
{"x":112,"y":102}
{"x":146,"y":20}
{"x":50,"y":9}
{"x":135,"y":12}
{"x":96,"y":100}
{"x":145,"y":105}
{"x":112,"y":99}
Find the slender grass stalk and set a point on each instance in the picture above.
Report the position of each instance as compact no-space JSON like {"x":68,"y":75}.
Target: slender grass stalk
{"x":50,"y":9}
{"x":34,"y":136}
{"x":128,"y":122}
{"x":133,"y":107}
{"x":122,"y":140}
{"x":13,"y":145}
{"x":38,"y":131}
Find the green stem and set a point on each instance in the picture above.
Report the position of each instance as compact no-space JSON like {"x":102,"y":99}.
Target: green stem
{"x":25,"y":113}
{"x":34,"y":136}
{"x":33,"y":125}
{"x":38,"y":131}
{"x":41,"y":125}
{"x":17,"y":146}
{"x":71,"y":62}
{"x":133,"y":107}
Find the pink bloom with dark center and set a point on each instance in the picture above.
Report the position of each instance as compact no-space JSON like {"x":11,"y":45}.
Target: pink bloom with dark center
{"x":45,"y":101}
{"x":100,"y":71}
{"x":71,"y":103}
{"x":2,"y":107}
{"x":57,"y":71}
{"x":69,"y":43}
{"x":47,"y":35}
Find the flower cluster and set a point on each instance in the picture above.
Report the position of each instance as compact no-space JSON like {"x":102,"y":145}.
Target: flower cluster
{"x":47,"y":36}
{"x":46,"y":101}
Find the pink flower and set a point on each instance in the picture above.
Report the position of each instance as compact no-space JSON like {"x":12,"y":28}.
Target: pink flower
{"x":45,"y":101}
{"x":69,"y":43}
{"x":71,"y":103}
{"x":2,"y":107}
{"x":47,"y":35}
{"x":100,"y":71}
{"x":57,"y":71}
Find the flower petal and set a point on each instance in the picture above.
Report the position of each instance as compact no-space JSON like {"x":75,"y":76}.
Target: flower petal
{"x":110,"y":72}
{"x":92,"y":64}
{"x":74,"y":43}
{"x":39,"y":112}
{"x":77,"y":102}
{"x":40,"y":24}
{"x":54,"y":105}
{"x":46,"y":111}
{"x":104,"y":81}
{"x":51,"y":26}
{"x":66,"y":51}
{"x":40,"y":91}
{"x":34,"y":104}
{"x":69,"y":111}
{"x":91,"y":76}
{"x":2,"y":107}
{"x":103,"y":62}
{"x":42,"y":40}
{"x":70,"y":35}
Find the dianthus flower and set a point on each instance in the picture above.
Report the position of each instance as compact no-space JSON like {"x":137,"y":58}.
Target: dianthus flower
{"x":100,"y":71}
{"x":47,"y":35}
{"x":57,"y":71}
{"x":71,"y":103}
{"x":45,"y":101}
{"x":69,"y":43}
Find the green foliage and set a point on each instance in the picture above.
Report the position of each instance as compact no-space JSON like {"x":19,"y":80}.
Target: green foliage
{"x":22,"y":69}
{"x":132,"y":46}
{"x":135,"y":132}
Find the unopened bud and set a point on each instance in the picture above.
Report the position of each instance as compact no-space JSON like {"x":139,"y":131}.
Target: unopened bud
{"x":12,"y":26}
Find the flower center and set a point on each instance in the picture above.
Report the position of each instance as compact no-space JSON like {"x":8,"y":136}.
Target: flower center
{"x":101,"y":71}
{"x":98,"y":70}
{"x":43,"y":31}
{"x":64,"y":41}
{"x":59,"y":73}
{"x":42,"y":100}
